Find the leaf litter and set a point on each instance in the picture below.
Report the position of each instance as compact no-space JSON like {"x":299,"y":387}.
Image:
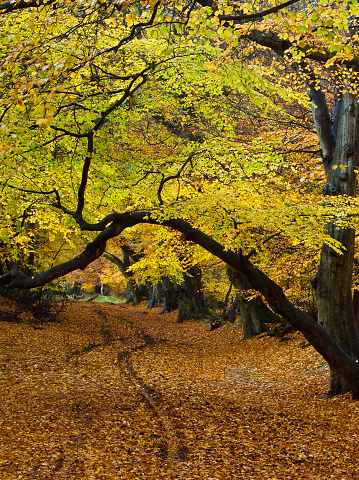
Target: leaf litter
{"x":122,"y":392}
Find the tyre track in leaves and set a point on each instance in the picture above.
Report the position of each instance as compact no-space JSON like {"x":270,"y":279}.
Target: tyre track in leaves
{"x":171,"y":446}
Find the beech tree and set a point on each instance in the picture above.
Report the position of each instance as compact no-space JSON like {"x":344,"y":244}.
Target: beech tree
{"x":72,"y":74}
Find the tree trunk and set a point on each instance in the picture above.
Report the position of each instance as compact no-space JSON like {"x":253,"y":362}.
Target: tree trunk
{"x":170,"y":296}
{"x":132,"y":292}
{"x":155,"y":295}
{"x":143,"y":290}
{"x":190,"y":296}
{"x":231,"y":315}
{"x":255,"y":313}
{"x":356,"y":305}
{"x":334,"y":279}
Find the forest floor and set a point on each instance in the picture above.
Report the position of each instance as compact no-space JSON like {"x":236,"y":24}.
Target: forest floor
{"x":115,"y":392}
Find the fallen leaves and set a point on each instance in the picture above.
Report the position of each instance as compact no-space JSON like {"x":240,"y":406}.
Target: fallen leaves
{"x":188,"y":404}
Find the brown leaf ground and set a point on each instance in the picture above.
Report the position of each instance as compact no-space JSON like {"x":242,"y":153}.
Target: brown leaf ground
{"x":117,"y":392}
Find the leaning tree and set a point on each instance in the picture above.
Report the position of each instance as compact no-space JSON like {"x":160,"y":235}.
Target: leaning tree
{"x":71,"y":76}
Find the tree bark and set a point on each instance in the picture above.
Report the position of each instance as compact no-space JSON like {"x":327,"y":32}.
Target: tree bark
{"x":155,"y":295}
{"x":166,"y":293}
{"x":190,"y":296}
{"x":132,"y":292}
{"x":170,"y":296}
{"x":334,"y":279}
{"x":255,"y":313}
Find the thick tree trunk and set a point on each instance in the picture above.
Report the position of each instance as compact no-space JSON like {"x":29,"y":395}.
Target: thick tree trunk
{"x":190,"y":296}
{"x":132,"y":293}
{"x":255,"y":313}
{"x":334,"y":279}
{"x":252,"y":317}
{"x":170,"y":296}
{"x":143,"y":290}
{"x":356,"y":305}
{"x":166,"y":293}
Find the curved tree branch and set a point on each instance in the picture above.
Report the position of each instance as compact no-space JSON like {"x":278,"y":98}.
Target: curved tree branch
{"x":118,"y":262}
{"x":172,"y":177}
{"x":85,"y":170}
{"x":240,"y":17}
{"x":282,"y":47}
{"x":257,"y":15}
{"x":8,"y":7}
{"x":345,"y":365}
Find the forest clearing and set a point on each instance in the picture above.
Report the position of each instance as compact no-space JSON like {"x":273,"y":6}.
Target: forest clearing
{"x":115,"y":392}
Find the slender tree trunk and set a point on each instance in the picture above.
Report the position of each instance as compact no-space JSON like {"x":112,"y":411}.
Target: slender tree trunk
{"x":334,"y":279}
{"x":155,"y":294}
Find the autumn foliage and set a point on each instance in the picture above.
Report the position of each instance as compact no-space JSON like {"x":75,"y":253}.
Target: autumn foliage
{"x":113,"y":392}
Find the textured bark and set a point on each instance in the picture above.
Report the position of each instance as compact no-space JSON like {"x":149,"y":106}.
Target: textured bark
{"x":356,"y":305}
{"x":255,"y":313}
{"x":156,"y":295}
{"x":132,"y":293}
{"x":190,"y":296}
{"x":231,"y":314}
{"x":334,"y":279}
{"x":338,"y":136}
{"x":165,"y":293}
{"x":170,"y":296}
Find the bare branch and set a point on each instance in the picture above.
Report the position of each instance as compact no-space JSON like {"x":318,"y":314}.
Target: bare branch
{"x":118,"y":262}
{"x":282,"y":47}
{"x":8,"y":7}
{"x":259,"y":248}
{"x":5,"y":112}
{"x":172,"y":177}
{"x":134,"y":31}
{"x":85,"y":171}
{"x":42,"y":192}
{"x":254,"y":16}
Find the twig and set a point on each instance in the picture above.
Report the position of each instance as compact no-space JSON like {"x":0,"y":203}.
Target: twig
{"x":255,"y":250}
{"x":172,"y":177}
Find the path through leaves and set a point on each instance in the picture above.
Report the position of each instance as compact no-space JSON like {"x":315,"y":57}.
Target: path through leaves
{"x":120,"y":392}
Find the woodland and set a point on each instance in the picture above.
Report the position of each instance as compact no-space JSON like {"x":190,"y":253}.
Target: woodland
{"x":199,"y":159}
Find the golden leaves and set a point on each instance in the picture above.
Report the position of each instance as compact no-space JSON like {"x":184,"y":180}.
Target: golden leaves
{"x":340,"y":166}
